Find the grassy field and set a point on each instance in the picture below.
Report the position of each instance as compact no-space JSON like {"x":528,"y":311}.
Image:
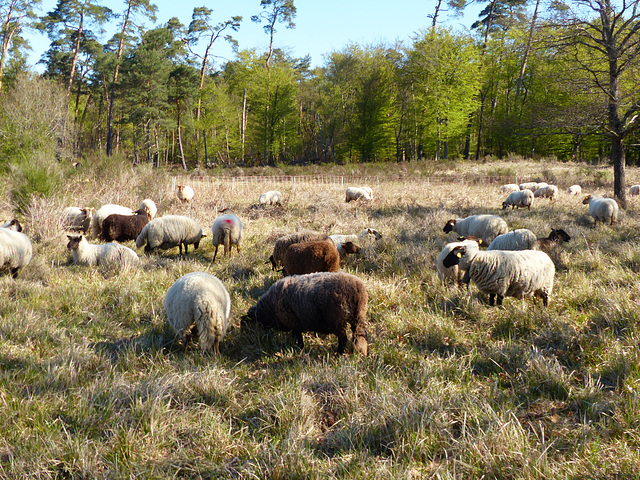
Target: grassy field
{"x":452,"y":388}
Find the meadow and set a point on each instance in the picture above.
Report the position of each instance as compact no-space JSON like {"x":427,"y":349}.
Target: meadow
{"x":90,"y":386}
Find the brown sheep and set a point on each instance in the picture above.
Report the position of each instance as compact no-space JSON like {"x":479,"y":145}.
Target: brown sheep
{"x":124,"y":227}
{"x":311,"y":257}
{"x":325,"y":302}
{"x":283,"y":243}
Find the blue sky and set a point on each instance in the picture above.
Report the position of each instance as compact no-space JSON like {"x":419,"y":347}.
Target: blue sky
{"x":322,"y":26}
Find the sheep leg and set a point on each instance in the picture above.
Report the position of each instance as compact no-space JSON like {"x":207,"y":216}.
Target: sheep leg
{"x":492,"y":299}
{"x":14,"y":272}
{"x":214,"y":254}
{"x":186,"y":248}
{"x":298,"y":336}
{"x":500,"y":297}
{"x":216,"y":346}
{"x":342,"y":342}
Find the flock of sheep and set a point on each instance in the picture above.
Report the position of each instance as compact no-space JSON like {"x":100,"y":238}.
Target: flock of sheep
{"x":313,"y":295}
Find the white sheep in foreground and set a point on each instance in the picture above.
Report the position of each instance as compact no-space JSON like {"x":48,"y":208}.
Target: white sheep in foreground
{"x":227,"y":231}
{"x":272,"y":197}
{"x":368,"y":235}
{"x":102,"y":213}
{"x":547,"y":191}
{"x":519,"y":199}
{"x":108,"y":254}
{"x":603,"y":209}
{"x":77,"y":219}
{"x":168,"y":232}
{"x":452,"y":274}
{"x":15,"y":250}
{"x":509,"y":187}
{"x":574,"y":190}
{"x":486,"y":227}
{"x":199,"y":301}
{"x":184,"y":193}
{"x":520,"y":239}
{"x":358,"y":193}
{"x":502,"y":273}
{"x":634,"y":190}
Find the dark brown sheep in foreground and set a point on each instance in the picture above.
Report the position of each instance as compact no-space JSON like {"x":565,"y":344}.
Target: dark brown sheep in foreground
{"x":326,"y":302}
{"x":124,"y":227}
{"x":311,"y":257}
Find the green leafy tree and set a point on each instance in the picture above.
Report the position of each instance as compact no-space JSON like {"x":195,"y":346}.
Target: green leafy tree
{"x":275,"y":11}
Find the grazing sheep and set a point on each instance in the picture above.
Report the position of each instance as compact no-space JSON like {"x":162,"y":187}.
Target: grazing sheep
{"x":556,"y":236}
{"x":124,"y":227}
{"x":15,"y":250}
{"x":504,"y":273}
{"x":109,"y":254}
{"x":366,"y":236}
{"x":102,"y":213}
{"x":199,"y":301}
{"x":326,"y":302}
{"x":310,"y":257}
{"x":272,"y":197}
{"x":603,"y":209}
{"x":77,"y":219}
{"x":547,"y":191}
{"x":283,"y":243}
{"x":520,"y":239}
{"x":184,"y":193}
{"x":509,"y":187}
{"x":486,"y":227}
{"x":358,"y":193}
{"x":227,"y":231}
{"x":634,"y":190}
{"x":533,"y":186}
{"x":519,"y":199}
{"x":574,"y":190}
{"x":453,"y":273}
{"x":13,"y":224}
{"x":150,"y":206}
{"x":168,"y":232}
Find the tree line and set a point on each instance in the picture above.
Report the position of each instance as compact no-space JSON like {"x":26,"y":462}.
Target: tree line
{"x":531,"y":79}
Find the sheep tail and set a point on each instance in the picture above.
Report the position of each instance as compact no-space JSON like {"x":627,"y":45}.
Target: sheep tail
{"x":227,"y":242}
{"x":142,"y":237}
{"x":209,"y":322}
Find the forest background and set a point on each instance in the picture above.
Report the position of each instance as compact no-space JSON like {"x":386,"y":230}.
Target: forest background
{"x":534,"y":79}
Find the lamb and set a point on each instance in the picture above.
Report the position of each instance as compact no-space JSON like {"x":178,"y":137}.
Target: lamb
{"x":102,"y":213}
{"x":366,"y":236}
{"x":199,"y":301}
{"x":486,"y":227}
{"x":109,"y":254}
{"x":184,"y":193}
{"x":15,"y":250}
{"x":519,"y":199}
{"x":502,"y":273}
{"x":168,"y":232}
{"x":13,"y":224}
{"x":310,"y":257}
{"x":326,"y":302}
{"x":227,"y":231}
{"x":283,"y":243}
{"x":452,"y":274}
{"x":358,"y":193}
{"x":603,"y":209}
{"x":634,"y":190}
{"x":556,"y":236}
{"x":509,"y":187}
{"x":533,"y":186}
{"x":548,"y":191}
{"x":520,"y":239}
{"x":77,"y":219}
{"x":272,"y":197}
{"x":574,"y":190}
{"x":124,"y":227}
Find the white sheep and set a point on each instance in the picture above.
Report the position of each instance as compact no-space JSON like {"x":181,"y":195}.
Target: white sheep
{"x":184,"y":193}
{"x":453,"y":273}
{"x":15,"y":250}
{"x":150,"y":207}
{"x":227,"y":231}
{"x":519,"y":199}
{"x":168,"y":232}
{"x":503,"y":273}
{"x":603,"y":209}
{"x":533,"y":186}
{"x":634,"y":190}
{"x":368,"y":235}
{"x":108,"y":254}
{"x":102,"y":213}
{"x":486,"y":227}
{"x":547,"y":191}
{"x":13,"y":224}
{"x":358,"y":193}
{"x":272,"y":197}
{"x":199,"y":301}
{"x":520,"y":239}
{"x":574,"y":190}
{"x":77,"y":219}
{"x":509,"y":187}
